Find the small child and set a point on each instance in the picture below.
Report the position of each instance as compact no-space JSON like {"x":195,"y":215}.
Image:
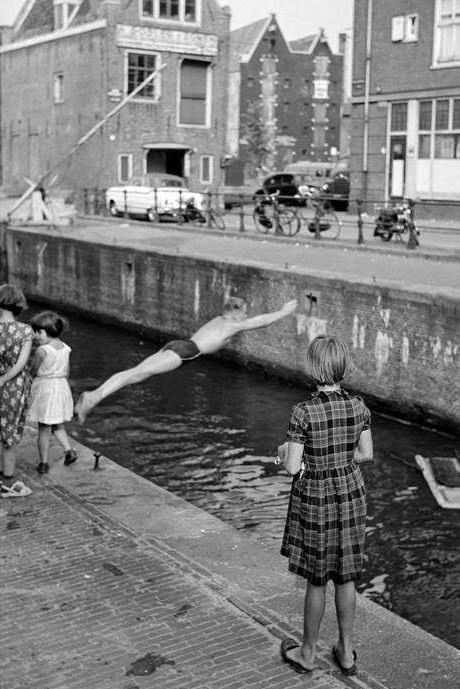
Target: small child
{"x":51,"y":403}
{"x":328,"y":437}
{"x":15,"y":347}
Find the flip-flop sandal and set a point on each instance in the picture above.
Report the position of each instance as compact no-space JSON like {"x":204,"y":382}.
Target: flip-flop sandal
{"x":287,"y":645}
{"x":349,"y":671}
{"x":17,"y":490}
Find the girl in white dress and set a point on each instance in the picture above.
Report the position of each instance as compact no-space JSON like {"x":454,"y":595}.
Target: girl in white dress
{"x":51,"y":403}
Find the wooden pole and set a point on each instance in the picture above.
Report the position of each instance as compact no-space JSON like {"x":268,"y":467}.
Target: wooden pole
{"x":85,"y":137}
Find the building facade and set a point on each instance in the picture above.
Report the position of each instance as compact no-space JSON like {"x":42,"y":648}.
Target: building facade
{"x":66,"y":65}
{"x":406,"y":100}
{"x":283,"y":96}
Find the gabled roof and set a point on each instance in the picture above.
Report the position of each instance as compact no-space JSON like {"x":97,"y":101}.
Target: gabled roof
{"x":309,"y":43}
{"x":244,"y":40}
{"x":37,"y":17}
{"x":303,"y":45}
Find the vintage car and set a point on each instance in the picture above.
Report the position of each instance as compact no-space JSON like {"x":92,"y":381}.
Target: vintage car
{"x":154,"y":196}
{"x":286,"y":186}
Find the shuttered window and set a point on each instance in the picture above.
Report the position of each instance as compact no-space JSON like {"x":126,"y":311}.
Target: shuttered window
{"x":193,"y":92}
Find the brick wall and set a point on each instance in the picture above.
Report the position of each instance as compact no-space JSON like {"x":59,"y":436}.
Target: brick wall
{"x":404,"y":344}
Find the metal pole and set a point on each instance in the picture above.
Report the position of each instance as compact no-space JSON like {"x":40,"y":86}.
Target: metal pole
{"x":359,"y":203}
{"x":242,"y":228}
{"x":412,"y":242}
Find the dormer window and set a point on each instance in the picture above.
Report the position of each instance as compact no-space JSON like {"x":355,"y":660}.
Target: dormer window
{"x":64,"y":12}
{"x":171,"y":10}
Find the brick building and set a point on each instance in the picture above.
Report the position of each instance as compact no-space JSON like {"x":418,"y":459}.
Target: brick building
{"x":66,"y":64}
{"x":406,"y":100}
{"x":294,"y":88}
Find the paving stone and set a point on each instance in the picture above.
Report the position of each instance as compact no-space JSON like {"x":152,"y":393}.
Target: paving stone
{"x":81,"y":608}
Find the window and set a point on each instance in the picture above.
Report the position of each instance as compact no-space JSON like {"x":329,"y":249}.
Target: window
{"x":58,"y":88}
{"x":321,"y":112}
{"x":404,"y":28}
{"x":443,"y":129}
{"x":319,"y":137}
{"x":193,"y":92}
{"x":425,"y":119}
{"x":206,"y":169}
{"x":139,"y":66}
{"x":442,"y":114}
{"x":398,"y":117}
{"x":125,"y":167}
{"x":64,"y":12}
{"x":287,"y":83}
{"x":170,"y":10}
{"x":321,"y":88}
{"x":321,"y":67}
{"x":447,"y":35}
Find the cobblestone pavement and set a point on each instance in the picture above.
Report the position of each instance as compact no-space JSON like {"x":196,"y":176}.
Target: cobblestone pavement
{"x":88,"y":605}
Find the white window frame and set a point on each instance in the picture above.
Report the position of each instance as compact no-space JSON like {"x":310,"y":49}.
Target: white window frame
{"x":129,"y":156}
{"x":321,"y":89}
{"x":156,"y":81}
{"x":58,"y":88}
{"x":405,"y":28}
{"x":68,"y":12}
{"x":181,"y":20}
{"x":209,"y":95}
{"x":437,"y":63}
{"x":210,"y":159}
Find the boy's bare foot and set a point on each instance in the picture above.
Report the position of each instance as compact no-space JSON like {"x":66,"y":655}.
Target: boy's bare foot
{"x":85,"y":404}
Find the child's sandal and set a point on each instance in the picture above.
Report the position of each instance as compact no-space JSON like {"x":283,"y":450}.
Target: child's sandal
{"x":70,"y":457}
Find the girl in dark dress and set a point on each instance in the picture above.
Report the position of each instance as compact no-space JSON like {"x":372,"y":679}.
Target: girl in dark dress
{"x":327,"y":438}
{"x":15,"y":379}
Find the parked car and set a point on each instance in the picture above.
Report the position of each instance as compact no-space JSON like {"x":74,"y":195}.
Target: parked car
{"x":338,"y":190}
{"x":287,"y":186}
{"x":154,"y":196}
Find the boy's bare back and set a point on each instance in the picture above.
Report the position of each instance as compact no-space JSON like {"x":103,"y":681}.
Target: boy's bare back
{"x":214,"y":334}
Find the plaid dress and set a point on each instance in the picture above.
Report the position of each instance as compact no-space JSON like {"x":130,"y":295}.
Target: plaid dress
{"x":324,"y":533}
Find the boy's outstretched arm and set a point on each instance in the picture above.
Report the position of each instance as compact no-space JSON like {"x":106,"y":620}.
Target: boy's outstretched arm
{"x":265,"y":319}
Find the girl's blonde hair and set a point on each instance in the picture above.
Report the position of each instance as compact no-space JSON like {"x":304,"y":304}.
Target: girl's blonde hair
{"x":328,"y":360}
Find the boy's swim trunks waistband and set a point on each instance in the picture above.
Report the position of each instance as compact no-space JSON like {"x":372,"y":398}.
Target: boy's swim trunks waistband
{"x":186,"y":349}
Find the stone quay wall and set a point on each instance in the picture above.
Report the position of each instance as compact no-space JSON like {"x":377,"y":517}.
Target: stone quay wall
{"x":404,"y":343}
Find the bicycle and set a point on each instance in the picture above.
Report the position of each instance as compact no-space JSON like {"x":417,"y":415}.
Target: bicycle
{"x":270,"y":215}
{"x":214,"y":217}
{"x":318,"y":216}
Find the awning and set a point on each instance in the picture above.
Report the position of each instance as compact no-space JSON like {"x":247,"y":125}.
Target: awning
{"x":168,"y":145}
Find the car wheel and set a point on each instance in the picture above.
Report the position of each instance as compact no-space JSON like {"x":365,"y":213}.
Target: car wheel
{"x":152,"y":215}
{"x":113,"y":210}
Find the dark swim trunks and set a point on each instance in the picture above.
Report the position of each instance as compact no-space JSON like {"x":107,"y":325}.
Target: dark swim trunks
{"x":186,"y":349}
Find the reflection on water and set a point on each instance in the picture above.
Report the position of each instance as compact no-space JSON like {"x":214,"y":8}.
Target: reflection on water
{"x":208,"y":432}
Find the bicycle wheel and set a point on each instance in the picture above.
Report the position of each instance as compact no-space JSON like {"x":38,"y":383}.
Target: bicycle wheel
{"x":331,"y":223}
{"x":288,"y":222}
{"x":217,"y":218}
{"x":263,"y":216}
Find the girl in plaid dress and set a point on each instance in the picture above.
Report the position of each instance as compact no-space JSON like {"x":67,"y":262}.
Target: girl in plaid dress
{"x":15,"y":379}
{"x":327,"y":438}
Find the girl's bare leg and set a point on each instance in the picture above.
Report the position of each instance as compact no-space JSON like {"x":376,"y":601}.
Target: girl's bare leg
{"x":43,"y":442}
{"x":61,"y":436}
{"x":161,"y":362}
{"x":314,"y":605}
{"x":345,"y":605}
{"x":9,"y":461}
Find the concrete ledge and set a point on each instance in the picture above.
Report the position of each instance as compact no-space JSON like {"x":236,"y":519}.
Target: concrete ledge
{"x":392,"y":652}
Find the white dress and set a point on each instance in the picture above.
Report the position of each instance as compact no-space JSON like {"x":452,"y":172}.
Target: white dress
{"x":50,"y":396}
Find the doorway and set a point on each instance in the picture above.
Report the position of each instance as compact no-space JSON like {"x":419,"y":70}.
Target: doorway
{"x":170,"y":160}
{"x":397,"y":181}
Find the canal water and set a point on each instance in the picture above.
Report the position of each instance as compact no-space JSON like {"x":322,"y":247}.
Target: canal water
{"x":208,"y":432}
